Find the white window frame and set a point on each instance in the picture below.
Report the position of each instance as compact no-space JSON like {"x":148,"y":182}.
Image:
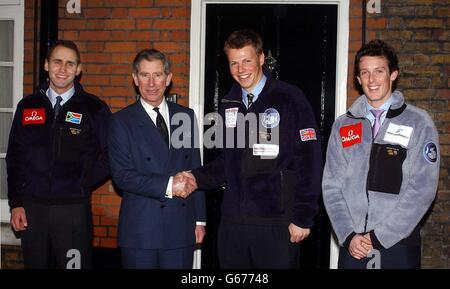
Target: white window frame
{"x":13,"y":10}
{"x":197,"y":63}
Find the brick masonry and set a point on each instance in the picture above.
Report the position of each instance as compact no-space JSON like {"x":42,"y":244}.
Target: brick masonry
{"x":109,"y":33}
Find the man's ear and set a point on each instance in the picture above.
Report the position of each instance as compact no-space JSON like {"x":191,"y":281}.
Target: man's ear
{"x":169,"y":79}
{"x":79,"y":69}
{"x":394,"y":75}
{"x":262,"y":58}
{"x":135,"y":79}
{"x":46,"y":65}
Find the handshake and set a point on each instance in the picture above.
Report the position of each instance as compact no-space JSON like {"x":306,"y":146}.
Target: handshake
{"x":183,"y":184}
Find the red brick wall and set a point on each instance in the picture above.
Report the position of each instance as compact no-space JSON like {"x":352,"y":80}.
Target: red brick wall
{"x":110,"y":32}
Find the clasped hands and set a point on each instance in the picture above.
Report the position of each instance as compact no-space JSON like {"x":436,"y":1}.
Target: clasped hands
{"x":183,"y":184}
{"x":360,"y":246}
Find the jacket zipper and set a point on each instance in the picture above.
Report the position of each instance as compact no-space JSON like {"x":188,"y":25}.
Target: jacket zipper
{"x":367,"y":181}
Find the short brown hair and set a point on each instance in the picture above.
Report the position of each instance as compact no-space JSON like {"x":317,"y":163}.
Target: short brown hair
{"x":380,"y":48}
{"x":67,"y":44}
{"x":244,"y":37}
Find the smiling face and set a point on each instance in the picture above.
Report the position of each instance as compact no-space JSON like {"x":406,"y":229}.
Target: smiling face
{"x":152,"y":81}
{"x":246,"y":66}
{"x":375,"y":79}
{"x":62,"y":67}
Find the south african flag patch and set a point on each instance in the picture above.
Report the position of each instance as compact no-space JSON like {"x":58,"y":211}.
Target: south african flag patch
{"x":74,"y":117}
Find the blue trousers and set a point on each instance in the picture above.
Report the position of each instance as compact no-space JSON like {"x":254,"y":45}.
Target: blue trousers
{"x":256,"y":246}
{"x":397,"y":257}
{"x":180,"y":258}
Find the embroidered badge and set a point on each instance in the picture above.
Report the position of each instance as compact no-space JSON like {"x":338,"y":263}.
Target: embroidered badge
{"x":351,"y":134}
{"x":398,"y":134}
{"x":270,"y":118}
{"x":430,"y":152}
{"x":33,"y":116}
{"x":75,"y":131}
{"x":73,"y":117}
{"x":308,"y":134}
{"x":231,"y":117}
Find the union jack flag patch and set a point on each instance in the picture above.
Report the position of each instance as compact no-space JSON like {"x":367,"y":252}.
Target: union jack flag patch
{"x":308,"y":134}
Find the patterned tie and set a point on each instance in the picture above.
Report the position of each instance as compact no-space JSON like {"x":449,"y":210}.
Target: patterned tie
{"x":377,"y":123}
{"x":58,"y":106}
{"x":250,"y":100}
{"x":161,"y":125}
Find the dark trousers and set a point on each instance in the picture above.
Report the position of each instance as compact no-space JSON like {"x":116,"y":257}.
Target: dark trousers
{"x":250,"y":246}
{"x":180,"y":258}
{"x":397,"y":257}
{"x":57,"y":236}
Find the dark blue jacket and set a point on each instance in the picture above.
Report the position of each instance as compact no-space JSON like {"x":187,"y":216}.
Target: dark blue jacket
{"x":141,"y":165}
{"x":280,"y":190}
{"x":57,"y":161}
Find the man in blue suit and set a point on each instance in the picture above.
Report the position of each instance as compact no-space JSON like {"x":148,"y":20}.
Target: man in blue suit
{"x":156,"y":229}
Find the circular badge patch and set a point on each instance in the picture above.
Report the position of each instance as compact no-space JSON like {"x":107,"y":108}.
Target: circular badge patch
{"x":270,"y":118}
{"x":430,"y":152}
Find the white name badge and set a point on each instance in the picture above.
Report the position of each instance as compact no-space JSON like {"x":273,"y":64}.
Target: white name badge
{"x":231,"y":117}
{"x":265,"y":150}
{"x":399,"y":134}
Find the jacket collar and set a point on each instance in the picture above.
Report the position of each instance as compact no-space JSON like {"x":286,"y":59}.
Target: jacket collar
{"x":359,"y":108}
{"x":78,"y":90}
{"x":235,"y":94}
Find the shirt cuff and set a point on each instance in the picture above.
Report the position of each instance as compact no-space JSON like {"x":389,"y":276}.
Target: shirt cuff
{"x":200,"y":223}
{"x":169,"y":189}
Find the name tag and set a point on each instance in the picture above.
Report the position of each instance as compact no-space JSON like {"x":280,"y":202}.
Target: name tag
{"x":399,"y":134}
{"x":266,"y":150}
{"x":231,"y":117}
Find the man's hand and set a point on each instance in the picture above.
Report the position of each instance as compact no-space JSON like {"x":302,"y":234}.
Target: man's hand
{"x":19,"y":219}
{"x":183,"y":184}
{"x":297,"y":234}
{"x":360,"y":246}
{"x":200,"y":233}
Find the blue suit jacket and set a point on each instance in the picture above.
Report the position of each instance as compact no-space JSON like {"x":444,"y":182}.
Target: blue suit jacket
{"x":141,"y":165}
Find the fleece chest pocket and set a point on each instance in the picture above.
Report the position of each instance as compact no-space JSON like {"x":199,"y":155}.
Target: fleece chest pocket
{"x":252,"y":164}
{"x":70,"y":142}
{"x":385,"y":173}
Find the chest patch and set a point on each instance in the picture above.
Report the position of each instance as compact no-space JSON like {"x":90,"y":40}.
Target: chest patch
{"x":33,"y":116}
{"x":351,"y":134}
{"x":73,"y":117}
{"x":398,"y":134}
{"x":270,"y":118}
{"x":231,"y":117}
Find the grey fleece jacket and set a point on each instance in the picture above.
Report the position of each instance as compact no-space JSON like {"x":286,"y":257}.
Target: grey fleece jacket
{"x":382,"y":186}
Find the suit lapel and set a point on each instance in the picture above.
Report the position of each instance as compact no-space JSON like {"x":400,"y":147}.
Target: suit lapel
{"x":148,"y":129}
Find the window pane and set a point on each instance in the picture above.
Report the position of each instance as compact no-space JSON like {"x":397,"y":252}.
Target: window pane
{"x":6,"y":87}
{"x":3,"y":185}
{"x":5,"y":127}
{"x":6,"y":40}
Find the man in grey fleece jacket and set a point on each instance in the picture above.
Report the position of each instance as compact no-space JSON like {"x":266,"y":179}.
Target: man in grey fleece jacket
{"x":382,"y":169}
